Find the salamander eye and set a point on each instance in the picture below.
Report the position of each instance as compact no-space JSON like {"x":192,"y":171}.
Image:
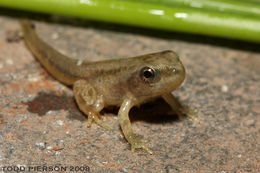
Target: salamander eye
{"x":147,"y":74}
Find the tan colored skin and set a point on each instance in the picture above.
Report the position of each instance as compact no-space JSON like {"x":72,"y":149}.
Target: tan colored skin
{"x":124,"y":82}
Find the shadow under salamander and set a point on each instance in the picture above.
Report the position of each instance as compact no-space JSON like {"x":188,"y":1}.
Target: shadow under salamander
{"x":152,"y":112}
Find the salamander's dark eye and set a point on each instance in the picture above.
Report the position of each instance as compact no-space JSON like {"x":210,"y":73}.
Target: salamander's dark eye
{"x":147,"y":74}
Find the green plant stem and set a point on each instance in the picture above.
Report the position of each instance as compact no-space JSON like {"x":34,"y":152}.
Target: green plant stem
{"x":148,"y":15}
{"x":242,"y":8}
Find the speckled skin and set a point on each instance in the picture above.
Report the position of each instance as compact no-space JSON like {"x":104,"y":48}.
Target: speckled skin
{"x":125,"y":82}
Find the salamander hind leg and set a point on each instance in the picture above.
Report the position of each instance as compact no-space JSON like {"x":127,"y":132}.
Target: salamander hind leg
{"x":89,"y":102}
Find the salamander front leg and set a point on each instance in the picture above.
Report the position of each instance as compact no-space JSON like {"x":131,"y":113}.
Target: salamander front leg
{"x":179,"y":109}
{"x":89,"y":102}
{"x":133,"y":139}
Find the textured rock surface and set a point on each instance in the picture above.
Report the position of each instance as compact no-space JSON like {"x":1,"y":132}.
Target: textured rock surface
{"x":41,"y":125}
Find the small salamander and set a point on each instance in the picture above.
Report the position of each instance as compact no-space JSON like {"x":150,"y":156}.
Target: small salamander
{"x":125,"y":82}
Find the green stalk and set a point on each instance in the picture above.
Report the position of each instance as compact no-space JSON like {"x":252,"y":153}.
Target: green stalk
{"x":242,"y":7}
{"x":148,"y":15}
{"x":250,"y":1}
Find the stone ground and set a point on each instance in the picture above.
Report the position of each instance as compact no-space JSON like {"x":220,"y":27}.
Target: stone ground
{"x":40,"y":125}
